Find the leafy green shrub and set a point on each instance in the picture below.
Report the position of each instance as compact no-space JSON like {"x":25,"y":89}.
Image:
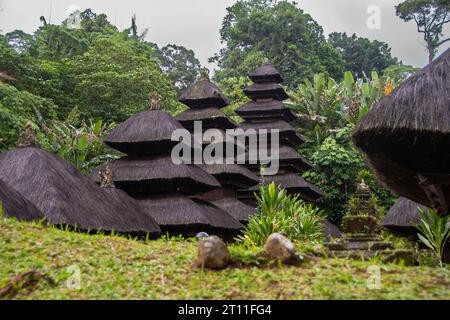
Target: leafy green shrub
{"x":282,"y":213}
{"x":434,"y":231}
{"x":338,"y":167}
{"x":82,"y":145}
{"x":18,"y":108}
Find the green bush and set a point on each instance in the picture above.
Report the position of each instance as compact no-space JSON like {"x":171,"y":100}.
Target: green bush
{"x":81,"y":145}
{"x":282,"y":213}
{"x":434,"y":231}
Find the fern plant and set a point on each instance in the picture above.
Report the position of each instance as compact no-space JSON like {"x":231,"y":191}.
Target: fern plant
{"x":434,"y":231}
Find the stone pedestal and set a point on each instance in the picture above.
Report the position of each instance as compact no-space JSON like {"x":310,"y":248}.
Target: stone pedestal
{"x":362,"y":243}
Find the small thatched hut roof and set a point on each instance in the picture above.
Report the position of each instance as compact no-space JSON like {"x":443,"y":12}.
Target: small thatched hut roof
{"x":203,"y":94}
{"x":210,"y":118}
{"x":266,"y":110}
{"x":265,"y":91}
{"x":287,"y":133}
{"x":266,"y":73}
{"x":330,"y":231}
{"x":178,"y":214}
{"x":406,"y":136}
{"x":403,"y":217}
{"x":147,"y":132}
{"x":66,"y":197}
{"x":15,"y":205}
{"x":137,"y":174}
{"x":232,"y":175}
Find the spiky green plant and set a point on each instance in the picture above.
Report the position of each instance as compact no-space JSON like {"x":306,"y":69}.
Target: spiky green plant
{"x":434,"y":231}
{"x":282,"y":213}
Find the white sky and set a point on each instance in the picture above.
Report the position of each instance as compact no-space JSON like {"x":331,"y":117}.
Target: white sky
{"x":195,"y":24}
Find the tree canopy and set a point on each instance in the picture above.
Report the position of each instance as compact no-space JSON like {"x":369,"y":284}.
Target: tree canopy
{"x":104,"y":72}
{"x":430,"y":17}
{"x":361,"y":55}
{"x":278,"y":30}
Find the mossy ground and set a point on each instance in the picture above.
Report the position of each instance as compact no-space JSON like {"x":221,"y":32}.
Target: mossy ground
{"x":117,"y":268}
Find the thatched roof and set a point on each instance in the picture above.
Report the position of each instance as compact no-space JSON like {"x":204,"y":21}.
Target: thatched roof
{"x":227,"y":141}
{"x":157,"y":174}
{"x":147,"y":132}
{"x":178,"y":214}
{"x":232,"y":175}
{"x":269,"y":109}
{"x":293,"y":183}
{"x":330,"y":231}
{"x":265,"y":91}
{"x":17,"y":206}
{"x":66,"y":197}
{"x":287,"y":133}
{"x":403,"y":217}
{"x":408,"y":133}
{"x":288,"y":158}
{"x":266,"y":73}
{"x":210,"y":118}
{"x":237,"y":209}
{"x":203,"y":94}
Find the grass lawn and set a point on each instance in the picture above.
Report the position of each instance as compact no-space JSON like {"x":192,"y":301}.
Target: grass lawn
{"x":117,"y":268}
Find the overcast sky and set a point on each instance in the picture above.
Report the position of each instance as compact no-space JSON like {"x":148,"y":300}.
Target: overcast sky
{"x":195,"y":24}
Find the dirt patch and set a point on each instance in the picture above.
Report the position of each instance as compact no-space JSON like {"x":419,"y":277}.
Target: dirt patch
{"x":25,"y":281}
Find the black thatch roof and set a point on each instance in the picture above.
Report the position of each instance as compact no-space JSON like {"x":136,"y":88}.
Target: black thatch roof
{"x":157,"y":174}
{"x":227,"y":141}
{"x":330,"y":231}
{"x":203,"y":94}
{"x":178,"y":214}
{"x":266,"y":73}
{"x":287,"y":134}
{"x":237,"y":209}
{"x":66,"y":197}
{"x":210,"y":118}
{"x":232,"y":175}
{"x":288,"y":158}
{"x":17,"y":206}
{"x":403,"y":217}
{"x":293,"y":183}
{"x":408,"y":133}
{"x":270,"y":110}
{"x":147,"y":132}
{"x":266,"y":91}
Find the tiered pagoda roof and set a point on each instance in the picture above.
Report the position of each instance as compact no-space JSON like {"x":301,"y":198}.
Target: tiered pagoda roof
{"x":149,"y":175}
{"x":267,"y":111}
{"x":205,"y":100}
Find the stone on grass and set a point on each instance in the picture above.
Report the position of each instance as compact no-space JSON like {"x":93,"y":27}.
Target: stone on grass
{"x":278,"y":247}
{"x":212,"y":254}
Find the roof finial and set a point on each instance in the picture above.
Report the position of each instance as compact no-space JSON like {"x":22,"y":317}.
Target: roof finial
{"x":266,"y":61}
{"x":154,"y":100}
{"x":204,"y":74}
{"x":106,"y":178}
{"x":28,"y":137}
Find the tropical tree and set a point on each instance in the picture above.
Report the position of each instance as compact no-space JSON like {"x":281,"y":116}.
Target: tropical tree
{"x":278,"y":30}
{"x":113,"y":79}
{"x":430,"y":17}
{"x":180,"y":65}
{"x":361,"y":55}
